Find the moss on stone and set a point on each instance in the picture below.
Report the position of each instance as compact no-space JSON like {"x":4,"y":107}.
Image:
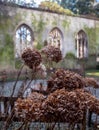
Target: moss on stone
{"x":41,"y":25}
{"x":7,"y":24}
{"x":17,"y":18}
{"x":34,"y":22}
{"x":38,"y":26}
{"x":65,"y":24}
{"x":54,"y":23}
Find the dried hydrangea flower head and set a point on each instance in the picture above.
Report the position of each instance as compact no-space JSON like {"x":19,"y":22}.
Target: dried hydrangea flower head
{"x":65,"y":79}
{"x":31,"y":57}
{"x":92,"y":82}
{"x":52,"y":53}
{"x":60,"y":105}
{"x":63,"y":106}
{"x":29,"y":108}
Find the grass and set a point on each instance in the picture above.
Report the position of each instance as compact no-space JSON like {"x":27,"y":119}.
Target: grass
{"x":92,"y":73}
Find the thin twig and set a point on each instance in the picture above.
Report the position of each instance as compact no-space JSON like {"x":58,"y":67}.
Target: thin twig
{"x":28,"y":86}
{"x":25,"y":122}
{"x":16,"y":81}
{"x":9,"y":119}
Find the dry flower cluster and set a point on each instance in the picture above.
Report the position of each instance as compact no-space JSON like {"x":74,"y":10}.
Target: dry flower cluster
{"x":91,"y":82}
{"x":29,"y":108}
{"x":32,"y":58}
{"x":62,"y":106}
{"x":65,"y":79}
{"x":59,"y":106}
{"x":66,"y":100}
{"x":52,"y":53}
{"x":91,"y":102}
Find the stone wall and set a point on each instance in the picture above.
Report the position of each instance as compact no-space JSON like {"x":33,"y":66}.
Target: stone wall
{"x":41,"y":23}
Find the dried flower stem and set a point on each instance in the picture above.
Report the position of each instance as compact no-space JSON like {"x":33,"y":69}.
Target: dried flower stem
{"x":16,"y":81}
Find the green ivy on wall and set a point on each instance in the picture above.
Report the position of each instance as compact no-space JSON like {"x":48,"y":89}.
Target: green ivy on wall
{"x":41,"y":24}
{"x":9,"y":23}
{"x":4,"y":24}
{"x":38,"y":26}
{"x":7,"y":51}
{"x":92,"y":36}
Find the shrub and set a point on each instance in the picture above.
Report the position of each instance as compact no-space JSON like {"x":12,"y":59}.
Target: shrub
{"x":55,"y":7}
{"x":70,"y":55}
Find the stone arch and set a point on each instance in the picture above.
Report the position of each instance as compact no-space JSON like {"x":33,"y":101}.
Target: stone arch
{"x":55,"y":37}
{"x":81,"y":44}
{"x":23,"y":39}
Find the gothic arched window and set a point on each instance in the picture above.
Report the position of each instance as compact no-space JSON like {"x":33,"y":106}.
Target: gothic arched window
{"x":82,"y":45}
{"x":55,"y":37}
{"x":24,"y":39}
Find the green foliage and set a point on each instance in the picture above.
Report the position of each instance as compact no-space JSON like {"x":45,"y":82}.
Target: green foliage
{"x":70,"y":55}
{"x":65,"y":23}
{"x":96,"y":9}
{"x":39,"y":46}
{"x":17,"y":18}
{"x":7,"y":52}
{"x":69,"y":4}
{"x":55,"y":7}
{"x":18,"y":63}
{"x":34,"y":21}
{"x":84,"y":7}
{"x":4,"y":24}
{"x":79,"y":6}
{"x":69,"y":61}
{"x":92,"y":73}
{"x":38,"y":24}
{"x":54,"y":23}
{"x":91,"y":39}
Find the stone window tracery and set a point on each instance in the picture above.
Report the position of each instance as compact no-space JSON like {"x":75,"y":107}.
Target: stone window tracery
{"x":55,"y":38}
{"x":82,"y":45}
{"x":24,"y":39}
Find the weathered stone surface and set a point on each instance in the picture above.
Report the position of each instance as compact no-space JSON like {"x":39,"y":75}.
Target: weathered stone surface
{"x":41,"y":23}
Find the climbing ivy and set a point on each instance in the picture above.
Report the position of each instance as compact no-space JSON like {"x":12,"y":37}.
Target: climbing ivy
{"x":7,"y":51}
{"x":38,"y":26}
{"x":92,"y":36}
